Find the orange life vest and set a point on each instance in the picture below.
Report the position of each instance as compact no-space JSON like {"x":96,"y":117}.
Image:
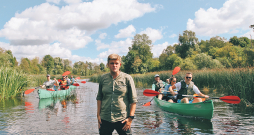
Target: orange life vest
{"x":63,"y":85}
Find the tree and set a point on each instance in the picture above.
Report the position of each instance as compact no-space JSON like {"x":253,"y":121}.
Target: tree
{"x":34,"y":66}
{"x":186,"y":41}
{"x":102,"y":66}
{"x":136,"y":60}
{"x":48,"y":63}
{"x":205,"y":61}
{"x":25,"y":65}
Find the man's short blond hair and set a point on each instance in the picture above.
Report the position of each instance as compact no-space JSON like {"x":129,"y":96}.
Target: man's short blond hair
{"x":114,"y":57}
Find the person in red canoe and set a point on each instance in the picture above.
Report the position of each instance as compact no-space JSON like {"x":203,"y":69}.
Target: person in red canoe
{"x":49,"y":84}
{"x":64,"y":84}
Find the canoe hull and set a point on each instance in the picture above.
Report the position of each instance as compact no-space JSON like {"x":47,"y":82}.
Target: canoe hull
{"x":202,"y":109}
{"x":51,"y":94}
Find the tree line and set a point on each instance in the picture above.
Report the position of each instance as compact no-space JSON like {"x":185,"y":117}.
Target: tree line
{"x":50,"y":65}
{"x":189,"y":54}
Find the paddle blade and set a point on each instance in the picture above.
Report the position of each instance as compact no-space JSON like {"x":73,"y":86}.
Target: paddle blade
{"x":147,"y":104}
{"x":231,"y":99}
{"x":176,"y":70}
{"x":77,"y":78}
{"x":29,"y":91}
{"x":150,"y":93}
{"x":66,"y":73}
{"x":59,"y":80}
{"x":75,"y":84}
{"x":83,"y":81}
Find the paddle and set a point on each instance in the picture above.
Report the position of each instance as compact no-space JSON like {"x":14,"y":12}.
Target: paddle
{"x":75,"y":84}
{"x":227,"y":99}
{"x":83,"y":81}
{"x":66,"y":73}
{"x":77,"y":78}
{"x":29,"y":91}
{"x":175,"y":71}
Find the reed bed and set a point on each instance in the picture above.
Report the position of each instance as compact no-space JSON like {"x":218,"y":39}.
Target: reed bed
{"x":239,"y":81}
{"x":12,"y":81}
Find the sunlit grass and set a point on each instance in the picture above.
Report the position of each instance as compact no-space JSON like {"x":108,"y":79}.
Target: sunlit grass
{"x":12,"y":82}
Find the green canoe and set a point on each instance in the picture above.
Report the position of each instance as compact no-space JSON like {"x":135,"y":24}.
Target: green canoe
{"x":202,"y":109}
{"x":50,"y":94}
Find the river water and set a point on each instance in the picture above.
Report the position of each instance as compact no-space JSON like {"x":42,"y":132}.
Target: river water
{"x":77,"y":115}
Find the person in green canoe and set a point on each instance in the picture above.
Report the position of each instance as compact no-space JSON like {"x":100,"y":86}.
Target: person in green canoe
{"x":49,"y":84}
{"x":116,"y":99}
{"x":158,"y":85}
{"x":184,"y":87}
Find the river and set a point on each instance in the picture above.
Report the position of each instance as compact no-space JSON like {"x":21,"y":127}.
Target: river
{"x":29,"y":115}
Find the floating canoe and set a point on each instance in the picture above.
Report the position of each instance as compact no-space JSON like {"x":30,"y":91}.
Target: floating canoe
{"x":51,"y":94}
{"x":202,"y":109}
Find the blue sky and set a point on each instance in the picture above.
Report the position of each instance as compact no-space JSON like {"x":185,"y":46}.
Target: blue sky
{"x":91,"y":30}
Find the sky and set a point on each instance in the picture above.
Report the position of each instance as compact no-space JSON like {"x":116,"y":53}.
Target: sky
{"x":90,"y":30}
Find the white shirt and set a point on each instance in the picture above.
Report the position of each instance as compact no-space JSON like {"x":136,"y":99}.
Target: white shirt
{"x":49,"y":84}
{"x":195,"y":88}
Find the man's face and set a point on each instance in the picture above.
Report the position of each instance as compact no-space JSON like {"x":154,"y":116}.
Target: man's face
{"x":64,"y":78}
{"x":114,"y":65}
{"x":157,"y":79}
{"x":188,"y":77}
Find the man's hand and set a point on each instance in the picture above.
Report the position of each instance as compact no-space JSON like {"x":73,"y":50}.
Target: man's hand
{"x":127,"y":125}
{"x":99,"y":122}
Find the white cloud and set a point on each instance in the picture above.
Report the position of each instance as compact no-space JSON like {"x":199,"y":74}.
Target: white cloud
{"x":121,"y":48}
{"x":54,"y":1}
{"x":31,"y":51}
{"x":153,"y":34}
{"x":126,"y":32}
{"x":100,"y":45}
{"x":234,"y":15}
{"x":172,"y":36}
{"x":157,"y":49}
{"x":102,"y":35}
{"x":73,"y":1}
{"x":40,"y":51}
{"x":70,"y":25}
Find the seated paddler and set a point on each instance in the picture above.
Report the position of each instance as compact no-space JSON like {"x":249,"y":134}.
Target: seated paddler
{"x":64,"y":83}
{"x":158,"y":85}
{"x":49,"y":84}
{"x":185,"y":87}
{"x":170,"y":98}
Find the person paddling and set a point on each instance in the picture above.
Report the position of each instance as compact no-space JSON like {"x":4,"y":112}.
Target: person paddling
{"x":158,"y":85}
{"x":172,"y":81}
{"x":64,"y":84}
{"x":49,"y":84}
{"x":72,"y":80}
{"x":183,"y":87}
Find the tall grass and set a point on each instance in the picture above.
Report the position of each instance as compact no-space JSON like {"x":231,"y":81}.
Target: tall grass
{"x":239,"y":82}
{"x":12,"y":81}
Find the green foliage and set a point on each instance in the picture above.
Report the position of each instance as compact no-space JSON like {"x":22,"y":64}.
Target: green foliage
{"x":139,"y":55}
{"x":205,"y":61}
{"x":188,"y":64}
{"x":102,"y":66}
{"x":186,"y":41}
{"x":48,"y":63}
{"x":12,"y":81}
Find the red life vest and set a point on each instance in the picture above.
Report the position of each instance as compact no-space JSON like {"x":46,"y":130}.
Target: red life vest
{"x":63,"y":85}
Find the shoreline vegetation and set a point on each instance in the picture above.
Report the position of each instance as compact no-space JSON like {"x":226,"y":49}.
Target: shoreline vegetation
{"x":235,"y":81}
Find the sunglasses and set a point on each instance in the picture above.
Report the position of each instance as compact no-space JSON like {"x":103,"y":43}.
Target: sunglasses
{"x":188,"y":77}
{"x":173,"y":81}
